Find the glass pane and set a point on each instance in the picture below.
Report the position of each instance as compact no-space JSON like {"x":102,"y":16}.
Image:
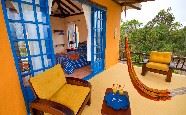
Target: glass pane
{"x":24,"y":66}
{"x":38,"y":72}
{"x":48,"y":45}
{"x":36,"y":63}
{"x":12,"y":10}
{"x":26,"y":81}
{"x":37,"y":1}
{"x":20,"y":48}
{"x":28,"y":13}
{"x":31,"y":31}
{"x":41,"y":16}
{"x":48,"y":60}
{"x":34,"y":48}
{"x":16,"y":30}
{"x":43,"y":46}
{"x":43,"y":30}
{"x":27,"y":1}
{"x":95,"y":18}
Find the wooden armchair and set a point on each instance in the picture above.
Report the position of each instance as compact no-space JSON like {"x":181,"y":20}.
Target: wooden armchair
{"x":58,"y":95}
{"x":159,"y":62}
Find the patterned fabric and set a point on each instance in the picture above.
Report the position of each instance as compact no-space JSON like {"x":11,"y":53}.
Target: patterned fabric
{"x":70,"y":65}
{"x":82,"y":48}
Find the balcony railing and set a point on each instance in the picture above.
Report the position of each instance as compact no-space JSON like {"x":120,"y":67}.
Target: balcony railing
{"x":178,"y":63}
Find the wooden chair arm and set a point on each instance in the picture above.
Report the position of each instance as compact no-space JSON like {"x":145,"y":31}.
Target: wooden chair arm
{"x":39,"y":106}
{"x":79,"y":82}
{"x":171,"y":65}
{"x":145,"y":61}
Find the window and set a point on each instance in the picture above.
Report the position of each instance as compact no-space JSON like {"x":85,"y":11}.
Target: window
{"x":73,"y":35}
{"x":29,"y":32}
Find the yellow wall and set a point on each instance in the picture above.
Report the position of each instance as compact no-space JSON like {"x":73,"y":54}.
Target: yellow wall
{"x":58,"y":24}
{"x":113,"y":23}
{"x":11,"y":98}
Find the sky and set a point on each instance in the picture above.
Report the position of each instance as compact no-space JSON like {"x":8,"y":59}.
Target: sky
{"x":150,"y":9}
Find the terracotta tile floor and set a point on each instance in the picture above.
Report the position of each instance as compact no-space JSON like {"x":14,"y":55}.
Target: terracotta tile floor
{"x":81,"y":72}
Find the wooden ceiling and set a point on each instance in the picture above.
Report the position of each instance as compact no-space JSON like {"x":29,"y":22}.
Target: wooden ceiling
{"x":66,"y":8}
{"x":131,"y":3}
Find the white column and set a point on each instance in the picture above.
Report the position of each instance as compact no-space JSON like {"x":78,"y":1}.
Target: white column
{"x":87,"y":13}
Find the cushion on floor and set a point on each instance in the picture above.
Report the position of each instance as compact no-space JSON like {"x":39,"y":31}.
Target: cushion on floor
{"x":71,"y":96}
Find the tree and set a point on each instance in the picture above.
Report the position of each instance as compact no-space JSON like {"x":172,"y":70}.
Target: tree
{"x":162,"y":33}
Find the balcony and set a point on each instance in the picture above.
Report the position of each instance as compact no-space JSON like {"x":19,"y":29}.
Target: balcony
{"x":179,"y":63}
{"x":139,"y":105}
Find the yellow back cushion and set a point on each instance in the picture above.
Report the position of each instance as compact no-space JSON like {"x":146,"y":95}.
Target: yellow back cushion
{"x":49,"y":82}
{"x":160,"y":57}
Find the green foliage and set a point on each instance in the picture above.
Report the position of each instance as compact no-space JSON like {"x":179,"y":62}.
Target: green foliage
{"x":162,"y":33}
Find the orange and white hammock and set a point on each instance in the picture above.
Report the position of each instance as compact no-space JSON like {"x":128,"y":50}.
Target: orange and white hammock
{"x":150,"y":93}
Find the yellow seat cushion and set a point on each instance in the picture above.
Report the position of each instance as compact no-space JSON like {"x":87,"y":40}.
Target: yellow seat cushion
{"x":158,"y":66}
{"x":49,"y":82}
{"x":160,"y":57}
{"x":71,"y":96}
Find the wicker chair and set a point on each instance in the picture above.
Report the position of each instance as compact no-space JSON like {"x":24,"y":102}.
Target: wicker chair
{"x":58,"y":95}
{"x":159,"y":62}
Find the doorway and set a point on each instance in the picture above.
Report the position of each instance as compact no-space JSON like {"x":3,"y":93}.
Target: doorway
{"x":30,"y":35}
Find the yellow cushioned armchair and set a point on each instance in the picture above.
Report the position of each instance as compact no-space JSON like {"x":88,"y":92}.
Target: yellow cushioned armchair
{"x":159,"y":62}
{"x":58,"y":95}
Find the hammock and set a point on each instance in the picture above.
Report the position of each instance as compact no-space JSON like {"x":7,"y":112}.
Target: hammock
{"x":150,"y":93}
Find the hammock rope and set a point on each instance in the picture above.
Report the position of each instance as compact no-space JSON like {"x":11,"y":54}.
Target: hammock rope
{"x":150,"y":93}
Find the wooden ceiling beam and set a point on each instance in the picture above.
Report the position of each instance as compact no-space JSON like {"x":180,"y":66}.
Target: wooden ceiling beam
{"x":71,"y":3}
{"x":66,"y":10}
{"x":59,"y":7}
{"x":62,"y":10}
{"x":68,"y":7}
{"x":135,"y":7}
{"x":57,"y":15}
{"x":116,"y":2}
{"x":129,"y":3}
{"x":75,"y":14}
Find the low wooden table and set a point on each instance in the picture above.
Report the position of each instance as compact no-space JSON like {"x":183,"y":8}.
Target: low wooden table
{"x":106,"y":110}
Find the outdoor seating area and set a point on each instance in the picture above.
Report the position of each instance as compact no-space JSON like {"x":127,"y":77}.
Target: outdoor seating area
{"x":139,"y":105}
{"x":63,"y":95}
{"x":92,"y":57}
{"x":159,"y":62}
{"x":116,"y":74}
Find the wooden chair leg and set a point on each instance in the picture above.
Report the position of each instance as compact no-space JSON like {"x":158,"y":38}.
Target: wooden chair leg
{"x":89,"y":102}
{"x":169,"y":76}
{"x":143,"y":70}
{"x":36,"y":112}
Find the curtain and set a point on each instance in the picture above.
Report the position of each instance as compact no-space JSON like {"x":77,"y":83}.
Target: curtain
{"x":71,"y":31}
{"x":50,"y":6}
{"x":87,"y":13}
